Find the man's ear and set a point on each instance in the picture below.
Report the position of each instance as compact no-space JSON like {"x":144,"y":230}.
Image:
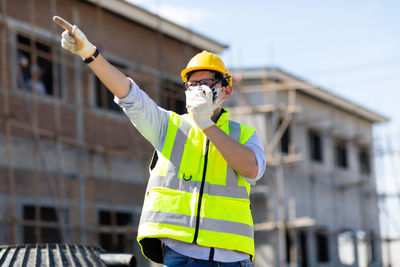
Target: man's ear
{"x":228,"y":91}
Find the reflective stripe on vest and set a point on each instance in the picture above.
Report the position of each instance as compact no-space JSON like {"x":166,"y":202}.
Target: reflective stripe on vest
{"x":207,"y":223}
{"x":172,"y":195}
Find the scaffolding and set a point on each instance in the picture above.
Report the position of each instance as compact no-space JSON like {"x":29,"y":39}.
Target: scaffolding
{"x":60,"y":201}
{"x":282,"y":113}
{"x":64,"y":189}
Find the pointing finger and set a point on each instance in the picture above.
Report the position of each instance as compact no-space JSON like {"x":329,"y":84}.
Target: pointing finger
{"x":64,"y":24}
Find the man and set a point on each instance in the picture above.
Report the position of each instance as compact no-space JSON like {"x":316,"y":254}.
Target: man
{"x":35,"y":84}
{"x":196,"y":210}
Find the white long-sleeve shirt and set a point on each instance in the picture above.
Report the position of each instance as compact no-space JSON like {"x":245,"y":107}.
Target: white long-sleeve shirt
{"x":152,"y":121}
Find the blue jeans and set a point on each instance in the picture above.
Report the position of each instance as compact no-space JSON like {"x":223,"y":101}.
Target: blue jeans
{"x":174,"y":259}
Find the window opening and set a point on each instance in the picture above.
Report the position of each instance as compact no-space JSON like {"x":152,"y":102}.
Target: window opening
{"x":315,"y":143}
{"x":104,"y":98}
{"x":35,"y":66}
{"x":173,"y":97}
{"x":364,"y":161}
{"x":48,"y":233}
{"x":322,"y":247}
{"x":346,"y":247}
{"x":285,"y":139}
{"x":365,"y":248}
{"x":341,"y":154}
{"x":111,"y":241}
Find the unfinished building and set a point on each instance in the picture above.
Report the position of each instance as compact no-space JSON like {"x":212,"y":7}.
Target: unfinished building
{"x":72,"y":167}
{"x":318,"y":204}
{"x":74,"y":170}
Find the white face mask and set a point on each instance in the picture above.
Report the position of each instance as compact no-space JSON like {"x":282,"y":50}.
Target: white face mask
{"x":217,"y":103}
{"x":216,"y":91}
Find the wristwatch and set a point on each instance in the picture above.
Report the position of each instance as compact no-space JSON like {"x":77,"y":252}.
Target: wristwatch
{"x":92,"y":57}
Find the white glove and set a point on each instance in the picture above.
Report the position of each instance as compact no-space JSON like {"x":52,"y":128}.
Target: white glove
{"x":74,"y":40}
{"x":199,"y":103}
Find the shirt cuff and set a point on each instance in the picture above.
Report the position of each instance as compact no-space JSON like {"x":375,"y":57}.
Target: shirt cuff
{"x":260,"y":170}
{"x":254,"y":143}
{"x":131,"y":98}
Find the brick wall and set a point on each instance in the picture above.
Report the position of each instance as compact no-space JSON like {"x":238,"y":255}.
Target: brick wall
{"x":115,"y":36}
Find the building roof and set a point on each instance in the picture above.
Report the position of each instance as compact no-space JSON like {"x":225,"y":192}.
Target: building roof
{"x":287,"y":81}
{"x":157,"y":23}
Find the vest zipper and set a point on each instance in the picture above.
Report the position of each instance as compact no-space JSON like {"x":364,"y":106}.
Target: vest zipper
{"x":196,"y":232}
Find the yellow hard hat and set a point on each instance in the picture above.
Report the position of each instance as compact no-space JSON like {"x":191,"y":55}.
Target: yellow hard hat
{"x":206,"y":61}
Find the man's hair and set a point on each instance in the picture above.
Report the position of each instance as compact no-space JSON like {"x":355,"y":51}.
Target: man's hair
{"x":217,"y":76}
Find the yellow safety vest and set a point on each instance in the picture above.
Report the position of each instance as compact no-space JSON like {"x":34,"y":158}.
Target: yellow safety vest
{"x":193,"y":195}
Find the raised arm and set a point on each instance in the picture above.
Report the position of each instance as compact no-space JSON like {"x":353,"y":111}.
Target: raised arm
{"x":148,"y":118}
{"x":76,"y":42}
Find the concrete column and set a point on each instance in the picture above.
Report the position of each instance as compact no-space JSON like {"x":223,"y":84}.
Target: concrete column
{"x":377,"y":249}
{"x":311,"y":247}
{"x":355,"y":246}
{"x":334,"y":250}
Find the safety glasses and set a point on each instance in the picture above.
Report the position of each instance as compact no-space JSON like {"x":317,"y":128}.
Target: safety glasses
{"x":208,"y":82}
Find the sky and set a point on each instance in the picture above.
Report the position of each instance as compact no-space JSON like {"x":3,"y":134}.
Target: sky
{"x":348,"y":47}
{"x":351,"y":48}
